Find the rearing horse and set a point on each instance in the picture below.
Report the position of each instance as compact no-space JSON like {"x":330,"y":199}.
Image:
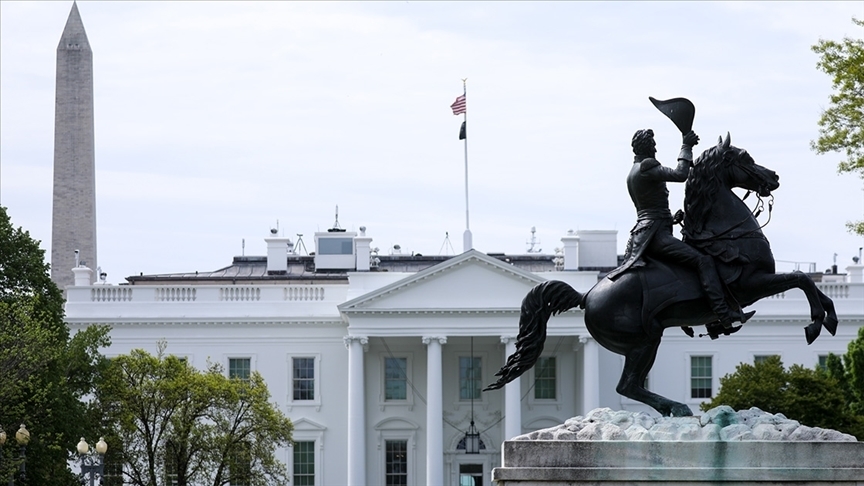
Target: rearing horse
{"x":628,"y":315}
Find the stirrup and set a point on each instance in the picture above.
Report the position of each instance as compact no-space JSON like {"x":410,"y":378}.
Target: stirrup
{"x":716,"y":329}
{"x":736,"y":317}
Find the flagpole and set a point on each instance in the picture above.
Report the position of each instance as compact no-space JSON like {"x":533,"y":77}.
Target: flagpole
{"x":467,"y":242}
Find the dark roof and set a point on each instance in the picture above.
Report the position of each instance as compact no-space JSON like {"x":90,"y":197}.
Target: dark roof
{"x":302,"y":268}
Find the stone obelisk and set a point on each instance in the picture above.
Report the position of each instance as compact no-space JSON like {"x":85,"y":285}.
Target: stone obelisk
{"x":74,"y":214}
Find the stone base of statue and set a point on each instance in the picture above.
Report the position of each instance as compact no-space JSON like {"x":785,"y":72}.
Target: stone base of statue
{"x":721,"y":447}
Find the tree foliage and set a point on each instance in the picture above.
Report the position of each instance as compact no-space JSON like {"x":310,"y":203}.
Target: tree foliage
{"x":814,"y":397}
{"x":841,"y":126}
{"x":45,"y":372}
{"x":196,"y":427}
{"x":849,"y":372}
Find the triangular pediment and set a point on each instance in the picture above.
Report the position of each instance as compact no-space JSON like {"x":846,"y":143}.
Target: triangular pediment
{"x":304,"y":424}
{"x":472,"y":280}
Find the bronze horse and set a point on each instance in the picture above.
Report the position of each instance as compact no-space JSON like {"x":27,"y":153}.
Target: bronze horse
{"x":628,"y":316}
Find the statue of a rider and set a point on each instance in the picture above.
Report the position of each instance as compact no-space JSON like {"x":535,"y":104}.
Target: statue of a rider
{"x":652,"y":235}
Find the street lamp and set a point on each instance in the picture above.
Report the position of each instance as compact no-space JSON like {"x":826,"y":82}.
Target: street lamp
{"x":2,"y":443}
{"x":23,"y":438}
{"x":92,"y":462}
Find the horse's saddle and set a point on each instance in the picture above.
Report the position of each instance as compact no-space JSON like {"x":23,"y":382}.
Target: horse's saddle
{"x":664,"y":284}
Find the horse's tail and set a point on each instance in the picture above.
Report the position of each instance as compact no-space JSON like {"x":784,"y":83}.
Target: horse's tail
{"x":541,"y":303}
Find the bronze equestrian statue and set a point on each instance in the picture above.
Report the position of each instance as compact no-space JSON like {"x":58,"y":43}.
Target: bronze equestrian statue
{"x":661,"y":285}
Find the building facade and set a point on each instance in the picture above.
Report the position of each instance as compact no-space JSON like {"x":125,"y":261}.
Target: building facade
{"x":379,"y":359}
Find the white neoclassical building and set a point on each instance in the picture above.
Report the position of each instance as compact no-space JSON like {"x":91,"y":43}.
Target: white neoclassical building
{"x":379,"y":359}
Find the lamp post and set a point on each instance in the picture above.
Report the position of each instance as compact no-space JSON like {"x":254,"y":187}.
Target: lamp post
{"x":3,"y":443}
{"x":472,"y":436}
{"x":92,"y":462}
{"x":23,"y":438}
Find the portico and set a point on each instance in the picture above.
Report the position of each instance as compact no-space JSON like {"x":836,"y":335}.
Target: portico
{"x":410,"y":343}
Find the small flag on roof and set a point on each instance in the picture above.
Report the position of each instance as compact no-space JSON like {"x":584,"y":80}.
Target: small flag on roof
{"x":459,"y":106}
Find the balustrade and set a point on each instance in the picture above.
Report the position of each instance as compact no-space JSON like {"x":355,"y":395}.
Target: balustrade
{"x":110,"y":294}
{"x":835,"y":290}
{"x":234,"y":294}
{"x":176,"y":294}
{"x":304,"y":293}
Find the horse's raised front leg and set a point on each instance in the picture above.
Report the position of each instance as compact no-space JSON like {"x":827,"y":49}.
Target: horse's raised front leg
{"x":766,"y":284}
{"x":637,"y":363}
{"x":831,"y":320}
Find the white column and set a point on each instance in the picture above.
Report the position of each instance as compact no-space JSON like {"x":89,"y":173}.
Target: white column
{"x":356,"y":411}
{"x":512,"y":396}
{"x":434,"y":410}
{"x":590,"y":374}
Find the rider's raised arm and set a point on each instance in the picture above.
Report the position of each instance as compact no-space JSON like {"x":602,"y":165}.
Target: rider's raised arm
{"x":668,"y":174}
{"x":685,"y":161}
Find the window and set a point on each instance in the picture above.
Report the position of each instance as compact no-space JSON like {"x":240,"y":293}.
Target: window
{"x":470,"y":377}
{"x":304,"y":463}
{"x":113,"y":469}
{"x":395,"y":379}
{"x":239,"y":368}
{"x":470,"y":474}
{"x":823,"y":361}
{"x":240,"y":465}
{"x":303,"y":378}
{"x":761,"y":358}
{"x":700,"y":377}
{"x":170,"y":465}
{"x":396,"y":463}
{"x":544,"y":378}
{"x":335,"y":246}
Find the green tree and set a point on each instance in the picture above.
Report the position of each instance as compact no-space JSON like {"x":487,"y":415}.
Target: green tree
{"x":849,"y":372}
{"x":194,"y":427}
{"x":811,"y":396}
{"x":45,"y":372}
{"x":841,"y":126}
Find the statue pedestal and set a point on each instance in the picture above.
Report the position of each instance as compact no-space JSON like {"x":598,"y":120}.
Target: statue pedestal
{"x":682,"y":463}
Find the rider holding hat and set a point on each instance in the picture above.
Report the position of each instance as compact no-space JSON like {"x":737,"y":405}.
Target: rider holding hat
{"x":652,"y":234}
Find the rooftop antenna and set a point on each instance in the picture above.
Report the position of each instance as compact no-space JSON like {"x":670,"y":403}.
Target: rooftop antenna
{"x":243,"y":247}
{"x":446,"y":247}
{"x":533,"y":242}
{"x":299,"y":245}
{"x":336,"y":228}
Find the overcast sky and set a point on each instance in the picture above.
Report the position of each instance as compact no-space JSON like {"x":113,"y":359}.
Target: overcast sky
{"x":215,"y":120}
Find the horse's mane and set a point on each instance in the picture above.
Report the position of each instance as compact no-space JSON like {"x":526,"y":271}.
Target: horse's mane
{"x":701,"y":189}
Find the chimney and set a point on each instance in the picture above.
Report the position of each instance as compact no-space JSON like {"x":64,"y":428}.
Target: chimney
{"x":571,"y":251}
{"x":82,"y":276}
{"x":598,"y":249}
{"x":855,"y":273}
{"x":362,"y":248}
{"x":277,"y":253}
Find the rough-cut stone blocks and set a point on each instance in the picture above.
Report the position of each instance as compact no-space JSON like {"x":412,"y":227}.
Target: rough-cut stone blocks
{"x":721,"y":447}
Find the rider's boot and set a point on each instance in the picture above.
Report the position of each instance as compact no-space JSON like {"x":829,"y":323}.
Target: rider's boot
{"x":736,"y":316}
{"x":711,"y":284}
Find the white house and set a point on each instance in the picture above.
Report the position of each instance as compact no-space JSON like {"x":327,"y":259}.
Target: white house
{"x":372,"y":356}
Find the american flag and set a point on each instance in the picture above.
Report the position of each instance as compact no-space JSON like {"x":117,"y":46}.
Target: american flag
{"x":459,"y":105}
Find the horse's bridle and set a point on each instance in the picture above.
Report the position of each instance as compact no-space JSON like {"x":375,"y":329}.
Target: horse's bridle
{"x":755,"y":212}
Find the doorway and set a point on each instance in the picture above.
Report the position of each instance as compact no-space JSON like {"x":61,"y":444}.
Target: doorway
{"x":470,"y":474}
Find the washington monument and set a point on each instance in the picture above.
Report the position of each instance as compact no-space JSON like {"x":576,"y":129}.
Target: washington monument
{"x":74,"y":214}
